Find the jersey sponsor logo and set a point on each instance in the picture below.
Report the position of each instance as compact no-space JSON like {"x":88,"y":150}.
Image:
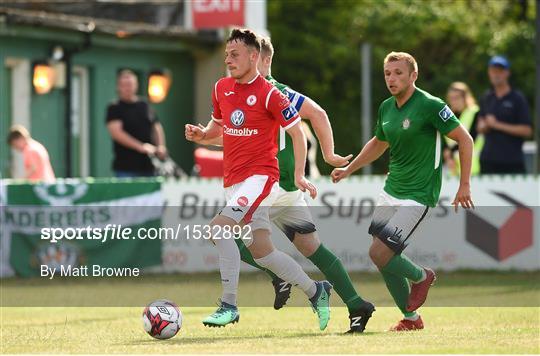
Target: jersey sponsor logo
{"x":406,"y":123}
{"x":251,"y":100}
{"x":237,"y":118}
{"x":229,"y":93}
{"x":445,"y":113}
{"x":289,"y":112}
{"x":242,"y":201}
{"x":231,"y":131}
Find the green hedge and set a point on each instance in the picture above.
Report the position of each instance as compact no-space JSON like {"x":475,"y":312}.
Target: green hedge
{"x":318,"y":43}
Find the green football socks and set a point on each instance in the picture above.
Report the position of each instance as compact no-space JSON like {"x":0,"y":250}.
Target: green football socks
{"x":335,"y":273}
{"x":400,"y":265}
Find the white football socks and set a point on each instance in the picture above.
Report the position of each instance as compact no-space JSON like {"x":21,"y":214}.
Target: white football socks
{"x":286,"y":268}
{"x":229,"y":268}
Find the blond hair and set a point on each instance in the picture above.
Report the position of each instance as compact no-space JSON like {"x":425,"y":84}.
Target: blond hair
{"x":465,"y":92}
{"x":267,"y":50}
{"x":16,"y":132}
{"x":402,"y":56}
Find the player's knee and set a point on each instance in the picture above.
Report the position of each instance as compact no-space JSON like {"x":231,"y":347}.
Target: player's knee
{"x":380,"y":253}
{"x":260,"y":251}
{"x":293,"y":230}
{"x":376,"y":255}
{"x":261,"y":245}
{"x":306,"y":244}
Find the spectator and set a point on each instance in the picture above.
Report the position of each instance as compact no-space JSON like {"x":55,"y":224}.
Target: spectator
{"x":505,"y":121}
{"x":37,"y":165}
{"x":463,"y":104}
{"x":135,"y":130}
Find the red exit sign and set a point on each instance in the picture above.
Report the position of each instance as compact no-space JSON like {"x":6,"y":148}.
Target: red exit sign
{"x":209,"y":14}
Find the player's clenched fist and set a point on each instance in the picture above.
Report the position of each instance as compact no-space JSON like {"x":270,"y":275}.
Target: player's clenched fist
{"x":194,"y":133}
{"x":339,"y":173}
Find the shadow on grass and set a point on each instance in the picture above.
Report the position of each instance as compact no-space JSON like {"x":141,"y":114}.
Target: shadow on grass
{"x":182,"y":340}
{"x":68,"y":322}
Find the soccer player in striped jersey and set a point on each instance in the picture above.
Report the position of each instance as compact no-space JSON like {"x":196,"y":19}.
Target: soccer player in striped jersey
{"x":410,"y":124}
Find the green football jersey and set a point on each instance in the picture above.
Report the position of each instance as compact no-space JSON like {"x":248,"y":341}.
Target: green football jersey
{"x":413,"y":133}
{"x":285,"y":154}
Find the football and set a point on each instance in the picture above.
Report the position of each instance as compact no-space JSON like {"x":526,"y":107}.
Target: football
{"x":162,"y":319}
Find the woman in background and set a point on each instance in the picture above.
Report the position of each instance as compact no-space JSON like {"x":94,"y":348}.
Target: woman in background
{"x":463,"y":104}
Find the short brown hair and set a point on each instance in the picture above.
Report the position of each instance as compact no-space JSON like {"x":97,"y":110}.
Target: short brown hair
{"x":16,"y":132}
{"x":402,"y":56}
{"x":267,"y":50}
{"x":249,"y":38}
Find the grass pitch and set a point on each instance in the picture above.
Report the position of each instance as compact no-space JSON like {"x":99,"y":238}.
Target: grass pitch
{"x":263,"y":330}
{"x":449,"y":329}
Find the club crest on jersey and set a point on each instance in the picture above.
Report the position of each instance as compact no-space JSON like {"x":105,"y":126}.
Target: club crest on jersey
{"x":406,"y":123}
{"x":251,"y":100}
{"x":289,"y":112}
{"x":445,"y":113}
{"x":237,"y":118}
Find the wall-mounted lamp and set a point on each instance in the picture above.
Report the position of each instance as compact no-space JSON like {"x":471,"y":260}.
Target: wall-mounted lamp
{"x":159,"y":82}
{"x":43,"y":78}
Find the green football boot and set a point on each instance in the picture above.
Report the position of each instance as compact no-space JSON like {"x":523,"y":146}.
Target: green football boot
{"x":225,"y":314}
{"x":321,"y":303}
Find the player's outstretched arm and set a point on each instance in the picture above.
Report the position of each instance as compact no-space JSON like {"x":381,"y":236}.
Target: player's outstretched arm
{"x":313,"y":112}
{"x":465,"y":147}
{"x":371,"y":151}
{"x":300,"y":151}
{"x":218,"y":141}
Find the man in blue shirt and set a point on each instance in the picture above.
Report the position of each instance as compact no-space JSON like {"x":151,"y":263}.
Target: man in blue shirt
{"x":505,"y":121}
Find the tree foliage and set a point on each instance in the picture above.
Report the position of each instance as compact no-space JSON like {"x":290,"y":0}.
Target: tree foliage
{"x":318,"y":44}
